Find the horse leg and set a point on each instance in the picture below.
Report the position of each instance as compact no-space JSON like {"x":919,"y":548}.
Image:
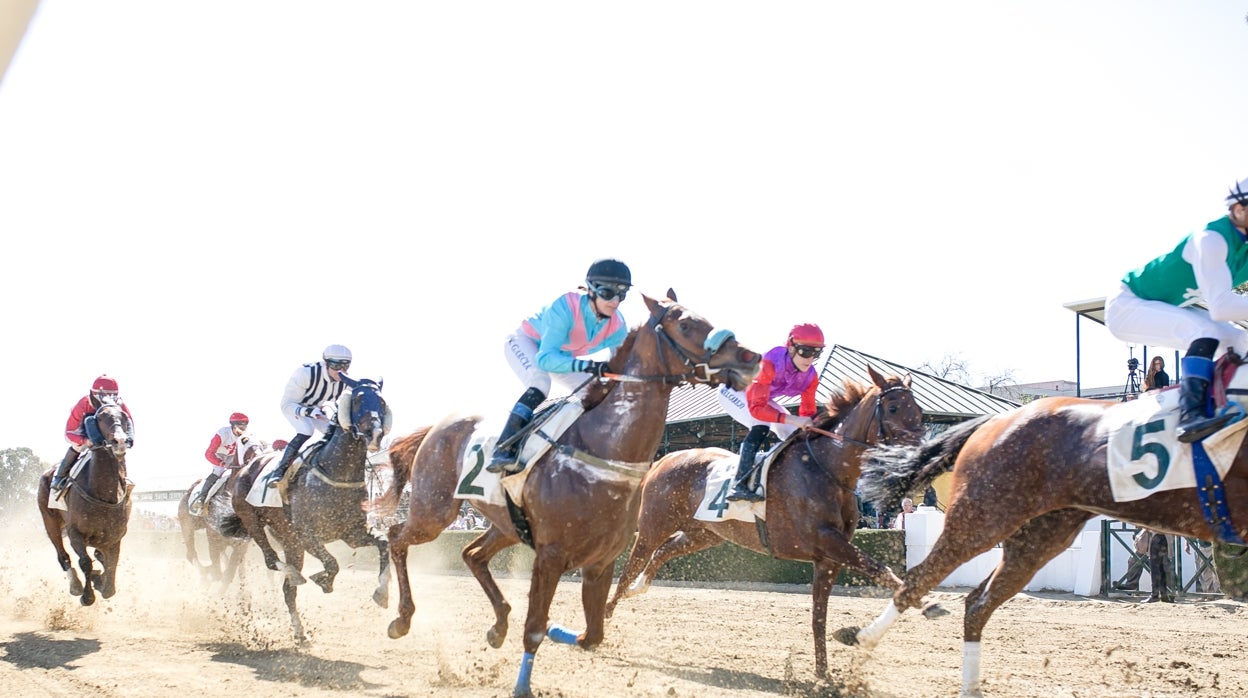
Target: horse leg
{"x":595,"y":586}
{"x":642,"y":565}
{"x":826,"y":570}
{"x":290,"y":593}
{"x":325,"y":578}
{"x":1022,"y":555}
{"x":477,"y":555}
{"x":970,"y":529}
{"x":109,"y":557}
{"x":361,"y":537}
{"x":54,"y":525}
{"x":87,"y":565}
{"x":255,"y":528}
{"x":547,"y":569}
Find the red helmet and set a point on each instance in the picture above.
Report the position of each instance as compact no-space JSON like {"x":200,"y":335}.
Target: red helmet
{"x":807,"y":334}
{"x":239,"y":417}
{"x":279,"y":444}
{"x":104,"y":387}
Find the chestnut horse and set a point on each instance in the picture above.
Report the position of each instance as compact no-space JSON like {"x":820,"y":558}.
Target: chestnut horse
{"x":1030,"y":478}
{"x":325,"y":501}
{"x":97,"y":508}
{"x":811,"y":509}
{"x":580,"y":499}
{"x":222,"y":549}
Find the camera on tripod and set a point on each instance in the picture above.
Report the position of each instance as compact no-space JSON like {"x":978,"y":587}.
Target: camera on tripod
{"x":1133,"y":364}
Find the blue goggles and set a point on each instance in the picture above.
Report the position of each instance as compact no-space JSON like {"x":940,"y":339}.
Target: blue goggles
{"x":608,"y":291}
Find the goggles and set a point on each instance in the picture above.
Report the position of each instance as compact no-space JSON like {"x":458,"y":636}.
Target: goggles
{"x":239,"y":424}
{"x":609,"y":292}
{"x":337,"y":365}
{"x":807,"y":352}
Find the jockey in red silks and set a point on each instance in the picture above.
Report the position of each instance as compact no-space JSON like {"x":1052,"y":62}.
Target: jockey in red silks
{"x":786,"y":371}
{"x":103,"y":390}
{"x":224,"y":442}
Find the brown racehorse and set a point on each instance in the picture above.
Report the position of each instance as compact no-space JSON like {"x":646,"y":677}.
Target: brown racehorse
{"x":1030,"y":478}
{"x":325,"y":503}
{"x":580,"y":499}
{"x":97,"y":508}
{"x":811,"y":509}
{"x":222,"y":550}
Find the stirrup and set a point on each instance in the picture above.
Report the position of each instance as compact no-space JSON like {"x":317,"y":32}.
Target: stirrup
{"x":1199,"y":429}
{"x":743,"y":494}
{"x":503,"y":462}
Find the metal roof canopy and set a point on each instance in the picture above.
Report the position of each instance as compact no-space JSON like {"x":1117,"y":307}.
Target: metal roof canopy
{"x":1094,"y":309}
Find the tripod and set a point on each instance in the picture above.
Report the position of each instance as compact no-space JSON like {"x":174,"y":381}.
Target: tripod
{"x":1131,"y":390}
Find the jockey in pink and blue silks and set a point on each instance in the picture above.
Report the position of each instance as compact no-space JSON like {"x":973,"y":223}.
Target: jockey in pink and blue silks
{"x":1154,"y":305}
{"x":787,"y":371}
{"x":547,"y":345}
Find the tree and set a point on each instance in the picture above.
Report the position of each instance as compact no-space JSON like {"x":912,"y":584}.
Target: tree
{"x":950,"y":367}
{"x":19,"y":482}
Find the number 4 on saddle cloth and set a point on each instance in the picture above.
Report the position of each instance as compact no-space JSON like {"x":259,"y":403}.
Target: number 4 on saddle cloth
{"x":1144,"y":455}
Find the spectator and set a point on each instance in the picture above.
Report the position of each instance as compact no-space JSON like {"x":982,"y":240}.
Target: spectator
{"x":907,"y":507}
{"x":1156,"y":378}
{"x":1207,"y":580}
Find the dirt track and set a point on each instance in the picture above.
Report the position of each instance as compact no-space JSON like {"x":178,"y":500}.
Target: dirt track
{"x":165,"y":634}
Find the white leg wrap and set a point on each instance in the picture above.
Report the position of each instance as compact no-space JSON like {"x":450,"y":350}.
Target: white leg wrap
{"x":970,"y":670}
{"x":870,"y":636}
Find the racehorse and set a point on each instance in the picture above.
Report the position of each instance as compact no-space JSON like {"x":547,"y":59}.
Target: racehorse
{"x":325,"y":503}
{"x":222,"y":549}
{"x":578,"y":503}
{"x":811,"y":508}
{"x":1030,"y":478}
{"x":97,"y":507}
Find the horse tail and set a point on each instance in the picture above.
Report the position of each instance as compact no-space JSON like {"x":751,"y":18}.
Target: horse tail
{"x":231,"y":526}
{"x":890,"y":473}
{"x":402,"y":459}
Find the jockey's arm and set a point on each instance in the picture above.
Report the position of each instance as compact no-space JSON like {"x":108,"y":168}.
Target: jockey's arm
{"x":1206,"y":252}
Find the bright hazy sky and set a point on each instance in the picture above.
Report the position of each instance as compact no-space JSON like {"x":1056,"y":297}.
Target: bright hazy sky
{"x":197,"y":197}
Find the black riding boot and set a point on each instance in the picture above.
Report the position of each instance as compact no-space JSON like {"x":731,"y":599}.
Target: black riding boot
{"x":197,"y":505}
{"x":505,"y":453}
{"x":746,"y":488}
{"x":62,"y":470}
{"x":288,"y":457}
{"x":1195,"y":422}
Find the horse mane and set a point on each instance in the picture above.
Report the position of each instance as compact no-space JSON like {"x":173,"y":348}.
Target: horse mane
{"x":402,"y":454}
{"x":597,"y":391}
{"x":841,"y":403}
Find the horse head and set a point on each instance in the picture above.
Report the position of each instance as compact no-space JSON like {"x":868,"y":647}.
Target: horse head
{"x":896,"y":410}
{"x":690,"y":348}
{"x":116,"y":430}
{"x":363,"y":412}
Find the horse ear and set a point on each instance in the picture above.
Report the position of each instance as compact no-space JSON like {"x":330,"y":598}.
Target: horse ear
{"x":875,"y":376}
{"x":671,"y":295}
{"x":906,"y":381}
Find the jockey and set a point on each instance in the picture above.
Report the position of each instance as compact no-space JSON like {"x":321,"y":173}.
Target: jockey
{"x":103,"y":390}
{"x":310,"y":388}
{"x":786,"y":370}
{"x":547,"y":344}
{"x":1153,"y":305}
{"x":222,"y":444}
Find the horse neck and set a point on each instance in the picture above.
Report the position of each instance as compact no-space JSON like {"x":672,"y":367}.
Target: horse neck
{"x":628,"y":424}
{"x":102,"y":477}
{"x":344,"y":455}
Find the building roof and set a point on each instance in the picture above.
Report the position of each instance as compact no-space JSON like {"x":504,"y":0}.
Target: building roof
{"x":941,"y":400}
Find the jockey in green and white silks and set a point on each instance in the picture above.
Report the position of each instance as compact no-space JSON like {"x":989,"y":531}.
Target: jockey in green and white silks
{"x":1154,"y":305}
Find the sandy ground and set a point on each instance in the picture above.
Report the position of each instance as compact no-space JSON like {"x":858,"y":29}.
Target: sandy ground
{"x":166,"y":633}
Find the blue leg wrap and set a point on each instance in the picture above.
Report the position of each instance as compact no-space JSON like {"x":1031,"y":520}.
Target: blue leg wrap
{"x":560,"y":634}
{"x":522,"y":681}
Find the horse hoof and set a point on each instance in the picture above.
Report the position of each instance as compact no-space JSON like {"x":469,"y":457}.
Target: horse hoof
{"x":397,"y":629}
{"x":324,"y":581}
{"x":87,"y":600}
{"x":495,"y":637}
{"x":847,"y":636}
{"x":381,"y":597}
{"x":934,"y":610}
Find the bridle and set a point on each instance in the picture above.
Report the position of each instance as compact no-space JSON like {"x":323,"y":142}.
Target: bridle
{"x":700,"y":370}
{"x":877,"y":416}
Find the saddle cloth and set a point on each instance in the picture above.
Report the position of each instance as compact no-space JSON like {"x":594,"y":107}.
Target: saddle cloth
{"x":260,"y":494}
{"x":1141,"y":437}
{"x":719,"y":476}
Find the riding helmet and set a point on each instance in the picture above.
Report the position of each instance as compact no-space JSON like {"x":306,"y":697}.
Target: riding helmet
{"x":239,"y":417}
{"x":1238,"y":194}
{"x":610,"y":271}
{"x":104,"y":386}
{"x":808,"y":334}
{"x":336,"y":352}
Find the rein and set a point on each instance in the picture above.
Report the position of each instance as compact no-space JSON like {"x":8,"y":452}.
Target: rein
{"x":877,"y":417}
{"x":699,"y":366}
